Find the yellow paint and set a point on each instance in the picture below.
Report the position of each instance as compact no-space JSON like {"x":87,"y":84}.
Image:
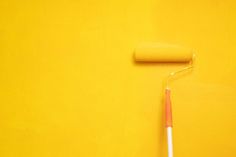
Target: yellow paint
{"x":69,"y":87}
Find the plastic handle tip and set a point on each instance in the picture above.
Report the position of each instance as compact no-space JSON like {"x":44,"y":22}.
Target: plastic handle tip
{"x":168,"y":109}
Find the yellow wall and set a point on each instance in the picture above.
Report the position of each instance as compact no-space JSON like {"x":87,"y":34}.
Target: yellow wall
{"x":69,"y":87}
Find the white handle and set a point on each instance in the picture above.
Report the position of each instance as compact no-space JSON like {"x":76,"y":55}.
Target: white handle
{"x":169,"y":141}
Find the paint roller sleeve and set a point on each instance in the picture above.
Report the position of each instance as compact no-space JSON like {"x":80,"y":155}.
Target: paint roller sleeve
{"x":162,"y":53}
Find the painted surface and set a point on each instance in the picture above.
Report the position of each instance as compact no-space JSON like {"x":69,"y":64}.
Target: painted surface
{"x":69,"y":86}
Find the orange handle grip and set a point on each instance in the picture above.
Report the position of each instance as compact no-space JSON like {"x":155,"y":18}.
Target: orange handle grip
{"x":168,"y":109}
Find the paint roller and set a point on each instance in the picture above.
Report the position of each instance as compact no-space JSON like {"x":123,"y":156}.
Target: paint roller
{"x":163,"y":53}
{"x":166,"y":53}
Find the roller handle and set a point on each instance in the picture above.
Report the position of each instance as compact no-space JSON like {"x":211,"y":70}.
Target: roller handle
{"x":169,"y":123}
{"x":168,"y":109}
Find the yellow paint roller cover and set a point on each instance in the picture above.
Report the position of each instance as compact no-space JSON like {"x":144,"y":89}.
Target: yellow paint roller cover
{"x":157,"y":52}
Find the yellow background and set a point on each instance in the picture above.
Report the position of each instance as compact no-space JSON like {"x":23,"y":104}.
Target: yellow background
{"x":69,"y":86}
